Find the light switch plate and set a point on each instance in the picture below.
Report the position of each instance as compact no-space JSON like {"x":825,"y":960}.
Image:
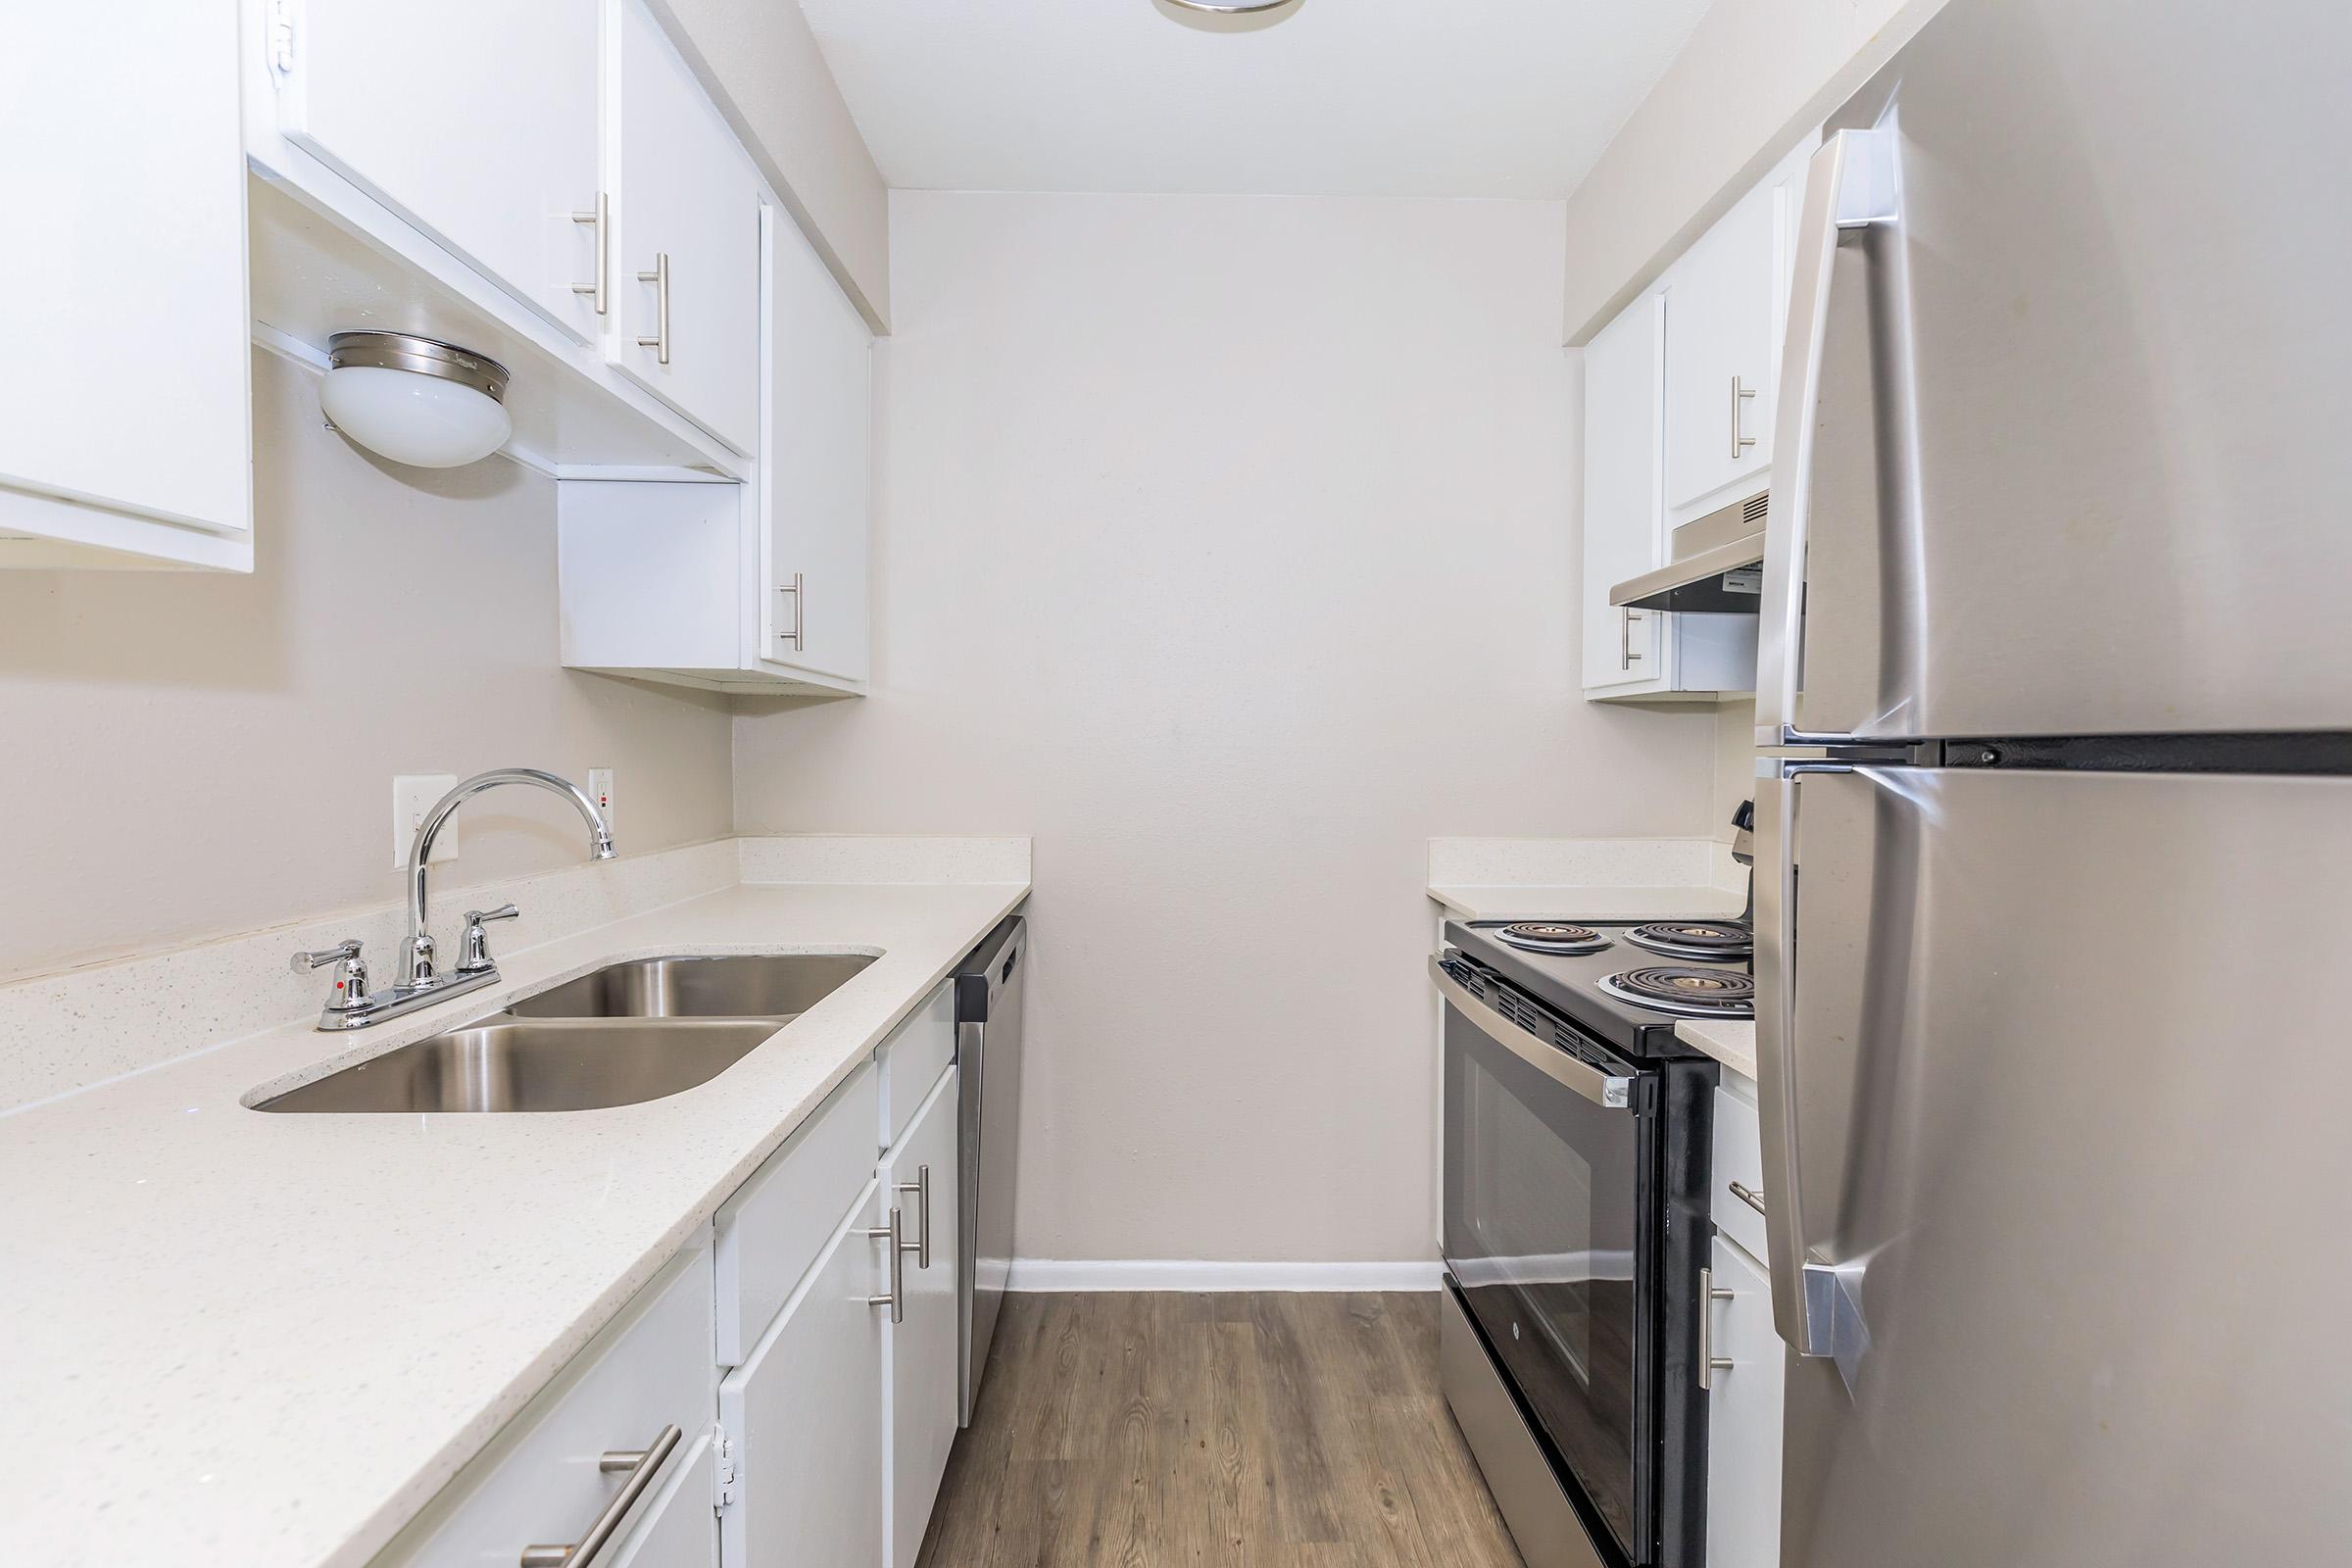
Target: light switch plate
{"x":413,"y":795}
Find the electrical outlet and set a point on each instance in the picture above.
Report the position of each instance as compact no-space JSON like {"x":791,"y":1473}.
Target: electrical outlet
{"x":600,"y":790}
{"x":413,"y":795}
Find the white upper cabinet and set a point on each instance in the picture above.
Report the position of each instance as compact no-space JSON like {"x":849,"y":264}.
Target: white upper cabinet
{"x":684,"y":254}
{"x":1727,"y":297}
{"x":476,"y":122}
{"x":1719,"y":356}
{"x":126,"y":430}
{"x":815,"y":472}
{"x":1622,"y":366}
{"x":1641,"y":653}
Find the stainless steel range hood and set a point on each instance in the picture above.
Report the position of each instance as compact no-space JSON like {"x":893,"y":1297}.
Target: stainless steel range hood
{"x":1718,"y":566}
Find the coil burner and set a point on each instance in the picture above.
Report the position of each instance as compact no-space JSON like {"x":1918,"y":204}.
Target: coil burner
{"x":1545,"y":936}
{"x":1689,"y":993}
{"x":1718,"y":940}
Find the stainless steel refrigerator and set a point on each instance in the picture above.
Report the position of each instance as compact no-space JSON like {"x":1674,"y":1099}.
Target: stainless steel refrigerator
{"x":2054,"y":799}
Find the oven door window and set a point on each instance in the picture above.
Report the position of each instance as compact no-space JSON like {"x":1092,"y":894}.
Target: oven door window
{"x":1545,"y":1231}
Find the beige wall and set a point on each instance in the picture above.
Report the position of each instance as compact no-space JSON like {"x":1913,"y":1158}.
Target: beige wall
{"x":1735,"y":763}
{"x":1228,"y":546}
{"x":772,"y":83}
{"x":1756,"y":74}
{"x":189,"y":755}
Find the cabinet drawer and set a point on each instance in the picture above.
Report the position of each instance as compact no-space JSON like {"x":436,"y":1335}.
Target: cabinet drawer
{"x":917,"y":1052}
{"x":1739,"y":1159}
{"x":539,"y":1481}
{"x":777,"y":1222}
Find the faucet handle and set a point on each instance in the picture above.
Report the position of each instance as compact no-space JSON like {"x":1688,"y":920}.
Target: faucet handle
{"x":351,"y":974}
{"x":342,"y":952}
{"x":474,"y":953}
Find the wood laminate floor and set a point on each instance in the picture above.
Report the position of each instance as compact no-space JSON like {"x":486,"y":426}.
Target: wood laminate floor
{"x":1272,"y":1430}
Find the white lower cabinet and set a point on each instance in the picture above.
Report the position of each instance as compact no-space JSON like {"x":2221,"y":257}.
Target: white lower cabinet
{"x":923,"y":1392}
{"x":804,"y":1414}
{"x":542,"y":1482}
{"x":812,"y":1382}
{"x":1743,"y":1417}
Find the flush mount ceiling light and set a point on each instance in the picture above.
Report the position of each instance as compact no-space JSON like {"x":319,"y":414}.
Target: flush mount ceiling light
{"x":428,"y":404}
{"x":1228,"y":9}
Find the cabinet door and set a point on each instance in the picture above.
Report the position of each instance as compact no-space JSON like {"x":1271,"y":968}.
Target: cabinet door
{"x":806,"y":1411}
{"x":1622,"y":363}
{"x":924,"y":1390}
{"x":1718,"y":358}
{"x":125,"y":404}
{"x":815,"y":472}
{"x":685,"y":238}
{"x":476,"y":122}
{"x":678,"y":1531}
{"x":1743,"y":1418}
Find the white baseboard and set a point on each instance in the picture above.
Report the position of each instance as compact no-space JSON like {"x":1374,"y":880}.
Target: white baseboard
{"x":1181,"y":1274}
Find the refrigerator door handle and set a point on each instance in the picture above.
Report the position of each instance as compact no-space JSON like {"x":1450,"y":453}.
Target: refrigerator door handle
{"x":1850,"y":185}
{"x":1815,"y":1306}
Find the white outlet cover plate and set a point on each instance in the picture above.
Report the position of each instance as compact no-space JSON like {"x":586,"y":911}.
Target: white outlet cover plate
{"x":600,"y":790}
{"x":413,"y":795}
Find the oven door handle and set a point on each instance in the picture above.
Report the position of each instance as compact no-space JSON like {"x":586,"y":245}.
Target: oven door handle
{"x":1602,"y":1089}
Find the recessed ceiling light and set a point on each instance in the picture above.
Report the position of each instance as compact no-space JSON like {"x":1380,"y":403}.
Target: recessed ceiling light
{"x":416,"y":400}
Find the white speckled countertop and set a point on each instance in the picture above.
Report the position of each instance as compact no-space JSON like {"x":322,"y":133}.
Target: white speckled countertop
{"x":1584,"y":903}
{"x":1590,"y":879}
{"x":1731,"y":1044}
{"x":246,"y":1339}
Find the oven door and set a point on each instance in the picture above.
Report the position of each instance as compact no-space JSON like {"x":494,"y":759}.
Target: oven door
{"x":1549,"y":1186}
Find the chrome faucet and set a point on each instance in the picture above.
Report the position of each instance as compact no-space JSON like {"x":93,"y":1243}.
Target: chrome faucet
{"x":416,"y":952}
{"x":354,"y":1006}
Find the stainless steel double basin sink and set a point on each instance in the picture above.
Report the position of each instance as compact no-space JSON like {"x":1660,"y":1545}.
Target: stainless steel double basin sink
{"x":617,"y":1036}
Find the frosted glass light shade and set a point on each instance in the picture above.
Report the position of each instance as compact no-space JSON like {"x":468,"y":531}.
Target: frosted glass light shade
{"x":415,"y":401}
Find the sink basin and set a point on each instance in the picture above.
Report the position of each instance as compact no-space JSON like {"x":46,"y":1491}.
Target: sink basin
{"x":756,"y":986}
{"x":506,"y":1064}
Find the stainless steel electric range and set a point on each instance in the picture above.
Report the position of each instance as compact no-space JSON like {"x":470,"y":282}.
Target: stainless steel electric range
{"x":1577,"y":1143}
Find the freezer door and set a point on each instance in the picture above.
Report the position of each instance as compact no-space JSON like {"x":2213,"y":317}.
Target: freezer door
{"x":2065,"y":439}
{"x":2055,"y":1108}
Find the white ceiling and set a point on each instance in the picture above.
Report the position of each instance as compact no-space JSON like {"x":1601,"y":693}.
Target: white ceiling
{"x":1341,"y":97}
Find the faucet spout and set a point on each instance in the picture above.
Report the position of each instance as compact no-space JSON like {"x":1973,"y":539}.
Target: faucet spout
{"x":417,"y":954}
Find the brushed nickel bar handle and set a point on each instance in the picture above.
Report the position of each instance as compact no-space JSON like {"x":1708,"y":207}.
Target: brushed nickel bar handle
{"x":896,"y":1301}
{"x":1739,"y":443}
{"x":659,"y":278}
{"x":1748,"y":1196}
{"x":597,"y":218}
{"x":1709,"y":1363}
{"x":800,"y":613}
{"x":641,"y":1465}
{"x":921,"y":1187}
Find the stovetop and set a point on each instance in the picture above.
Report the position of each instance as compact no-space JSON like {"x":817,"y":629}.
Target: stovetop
{"x":1574,"y":982}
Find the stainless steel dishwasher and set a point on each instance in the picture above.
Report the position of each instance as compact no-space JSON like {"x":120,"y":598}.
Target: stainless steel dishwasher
{"x":988,"y":1046}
